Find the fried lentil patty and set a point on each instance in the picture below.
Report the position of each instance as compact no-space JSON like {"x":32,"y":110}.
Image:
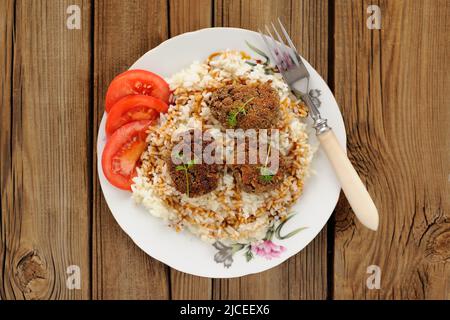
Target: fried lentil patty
{"x":246,"y":106}
{"x":258,"y":177}
{"x":192,"y":176}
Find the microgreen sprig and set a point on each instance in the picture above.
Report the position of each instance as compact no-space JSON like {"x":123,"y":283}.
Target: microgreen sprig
{"x":232,"y":115}
{"x":266,"y":175}
{"x":185,"y":167}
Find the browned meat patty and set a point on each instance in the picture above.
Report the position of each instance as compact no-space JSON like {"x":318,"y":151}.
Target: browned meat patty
{"x":257,"y":178}
{"x":192,"y":177}
{"x":246,"y":106}
{"x":249,"y":178}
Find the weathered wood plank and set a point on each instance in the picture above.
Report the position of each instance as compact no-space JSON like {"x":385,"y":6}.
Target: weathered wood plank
{"x":6,"y":192}
{"x":392,"y":86}
{"x":188,"y":287}
{"x":185,"y":16}
{"x":124,"y":30}
{"x":45,"y":190}
{"x":189,"y":15}
{"x":305,"y":275}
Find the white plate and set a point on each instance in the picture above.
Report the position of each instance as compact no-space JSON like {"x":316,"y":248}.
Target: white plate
{"x":183,"y":251}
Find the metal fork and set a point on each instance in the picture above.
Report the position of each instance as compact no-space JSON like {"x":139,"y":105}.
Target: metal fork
{"x":296,"y":75}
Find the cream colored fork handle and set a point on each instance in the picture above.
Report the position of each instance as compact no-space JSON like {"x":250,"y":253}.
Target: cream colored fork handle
{"x":354,"y":189}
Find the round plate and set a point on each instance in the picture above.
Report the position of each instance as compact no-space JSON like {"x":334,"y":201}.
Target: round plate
{"x":185,"y":252}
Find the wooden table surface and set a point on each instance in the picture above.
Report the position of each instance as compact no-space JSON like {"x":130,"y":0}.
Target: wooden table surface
{"x":392,"y":86}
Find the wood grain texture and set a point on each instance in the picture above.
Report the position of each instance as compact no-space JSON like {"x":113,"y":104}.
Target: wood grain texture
{"x":186,"y":16}
{"x":45,"y":190}
{"x":6,"y":191}
{"x":392,"y":85}
{"x":189,"y":15}
{"x":123,"y":32}
{"x":304,"y":276}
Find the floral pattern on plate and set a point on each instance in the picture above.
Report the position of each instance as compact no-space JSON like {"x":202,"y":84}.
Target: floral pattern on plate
{"x":265,"y":248}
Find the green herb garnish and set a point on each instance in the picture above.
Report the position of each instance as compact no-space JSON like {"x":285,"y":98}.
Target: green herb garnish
{"x":185,"y":167}
{"x":265,"y":174}
{"x":232,"y":115}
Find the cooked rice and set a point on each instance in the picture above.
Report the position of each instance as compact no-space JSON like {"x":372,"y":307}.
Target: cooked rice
{"x":225,"y":214}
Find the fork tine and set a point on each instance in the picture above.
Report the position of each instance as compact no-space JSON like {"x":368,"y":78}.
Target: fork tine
{"x":285,"y":53}
{"x":278,"y":51}
{"x":291,"y":44}
{"x":283,"y":29}
{"x":291,"y":68}
{"x":274,"y":44}
{"x":278,"y":35}
{"x":270,"y":47}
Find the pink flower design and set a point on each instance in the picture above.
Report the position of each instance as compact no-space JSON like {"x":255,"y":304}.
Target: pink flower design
{"x":267,"y":249}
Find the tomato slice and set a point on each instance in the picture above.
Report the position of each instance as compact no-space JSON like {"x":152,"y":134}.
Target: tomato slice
{"x":136,"y":82}
{"x":133,"y":108}
{"x":122,"y":153}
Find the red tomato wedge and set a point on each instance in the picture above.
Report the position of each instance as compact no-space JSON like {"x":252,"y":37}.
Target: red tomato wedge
{"x":136,"y":82}
{"x":133,"y":108}
{"x":122,"y":153}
